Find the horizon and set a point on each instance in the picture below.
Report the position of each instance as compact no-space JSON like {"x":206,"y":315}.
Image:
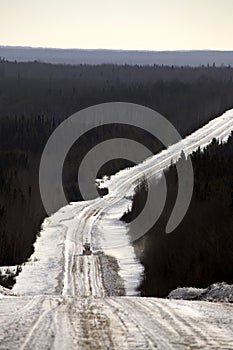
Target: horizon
{"x":112,"y":49}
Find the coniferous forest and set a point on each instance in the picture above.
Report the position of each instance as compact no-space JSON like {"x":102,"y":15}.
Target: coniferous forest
{"x":199,"y":251}
{"x":35,"y":97}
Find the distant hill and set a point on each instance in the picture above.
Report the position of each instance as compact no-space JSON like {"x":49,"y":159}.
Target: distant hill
{"x":82,"y":56}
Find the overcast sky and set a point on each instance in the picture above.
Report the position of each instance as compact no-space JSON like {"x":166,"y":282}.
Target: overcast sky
{"x":120,"y":24}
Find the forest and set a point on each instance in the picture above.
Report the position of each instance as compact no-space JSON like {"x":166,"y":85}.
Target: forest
{"x":199,"y":251}
{"x":35,"y":97}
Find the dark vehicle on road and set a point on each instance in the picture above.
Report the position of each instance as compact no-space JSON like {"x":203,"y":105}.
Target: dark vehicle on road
{"x":87,"y":249}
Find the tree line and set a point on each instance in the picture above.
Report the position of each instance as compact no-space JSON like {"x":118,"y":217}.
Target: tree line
{"x":35,"y":98}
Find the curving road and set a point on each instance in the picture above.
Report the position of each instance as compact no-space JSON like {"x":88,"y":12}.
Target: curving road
{"x":63,"y":300}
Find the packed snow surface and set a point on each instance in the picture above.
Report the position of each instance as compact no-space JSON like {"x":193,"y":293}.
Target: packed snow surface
{"x":124,"y":323}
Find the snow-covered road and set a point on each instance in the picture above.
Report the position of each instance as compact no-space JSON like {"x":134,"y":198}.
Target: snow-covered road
{"x":52,"y":266}
{"x":63,"y":301}
{"x":50,"y":322}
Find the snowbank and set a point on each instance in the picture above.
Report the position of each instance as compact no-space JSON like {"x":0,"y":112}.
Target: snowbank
{"x":218,"y":292}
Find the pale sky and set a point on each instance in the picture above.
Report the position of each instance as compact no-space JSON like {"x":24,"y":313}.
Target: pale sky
{"x":120,"y":24}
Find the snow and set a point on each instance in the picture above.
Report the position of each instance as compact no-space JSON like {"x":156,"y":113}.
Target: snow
{"x":51,"y":322}
{"x":8,"y":270}
{"x":4,"y":292}
{"x":63,"y":303}
{"x":50,"y":268}
{"x":220,"y":292}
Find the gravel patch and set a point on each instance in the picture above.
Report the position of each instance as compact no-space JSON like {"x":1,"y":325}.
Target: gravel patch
{"x":112,"y":282}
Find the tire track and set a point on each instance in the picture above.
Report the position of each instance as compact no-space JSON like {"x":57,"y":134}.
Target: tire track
{"x":135,"y":324}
